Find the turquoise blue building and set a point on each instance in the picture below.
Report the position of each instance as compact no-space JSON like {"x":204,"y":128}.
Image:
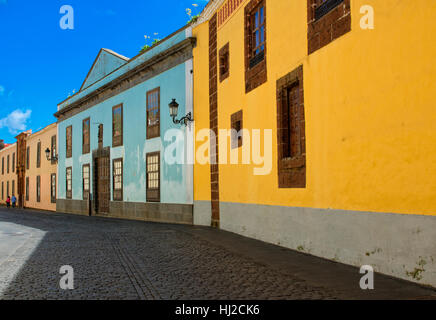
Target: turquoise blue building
{"x":114,"y":132}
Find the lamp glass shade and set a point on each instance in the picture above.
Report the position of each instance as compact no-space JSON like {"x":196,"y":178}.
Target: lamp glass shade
{"x":47,"y":153}
{"x":174,"y":108}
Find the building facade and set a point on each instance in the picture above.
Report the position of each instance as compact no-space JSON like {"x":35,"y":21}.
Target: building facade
{"x":336,"y":121}
{"x":113,"y":134}
{"x":8,"y":173}
{"x":40,"y":178}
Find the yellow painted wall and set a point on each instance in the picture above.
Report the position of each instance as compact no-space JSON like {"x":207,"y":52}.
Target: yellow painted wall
{"x":6,"y":176}
{"x":369,"y":104}
{"x":45,"y":171}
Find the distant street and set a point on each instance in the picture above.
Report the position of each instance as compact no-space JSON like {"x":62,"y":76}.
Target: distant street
{"x":120,"y":259}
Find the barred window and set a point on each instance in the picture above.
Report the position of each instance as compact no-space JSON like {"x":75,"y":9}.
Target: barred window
{"x":69,"y":183}
{"x":86,"y":181}
{"x":117,"y":126}
{"x":13,"y":162}
{"x":153,"y":177}
{"x":153,"y":113}
{"x":118,"y":180}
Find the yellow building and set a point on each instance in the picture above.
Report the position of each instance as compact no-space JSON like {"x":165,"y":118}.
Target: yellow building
{"x":8,"y":175}
{"x":336,"y":103}
{"x":40,"y":173}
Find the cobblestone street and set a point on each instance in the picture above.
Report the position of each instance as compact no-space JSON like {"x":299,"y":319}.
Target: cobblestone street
{"x":118,"y":259}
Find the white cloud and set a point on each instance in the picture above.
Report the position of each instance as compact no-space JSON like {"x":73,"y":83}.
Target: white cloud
{"x":16,"y":121}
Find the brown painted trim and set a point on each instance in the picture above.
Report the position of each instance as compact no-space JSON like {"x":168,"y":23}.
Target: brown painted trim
{"x":224,"y":61}
{"x":115,"y":142}
{"x":213,"y":117}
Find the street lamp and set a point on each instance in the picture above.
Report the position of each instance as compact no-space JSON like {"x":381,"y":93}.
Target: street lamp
{"x":48,"y":153}
{"x":174,"y":110}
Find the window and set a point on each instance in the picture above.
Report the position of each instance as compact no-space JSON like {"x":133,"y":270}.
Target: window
{"x":69,"y":145}
{"x":291,"y":135}
{"x":236,"y":125}
{"x":3,"y":165}
{"x":53,"y":150}
{"x":53,"y":188}
{"x":28,"y":158}
{"x":7,"y":189}
{"x":85,"y":138}
{"x":86,"y":181}
{"x":224,"y":62}
{"x":117,"y":126}
{"x":13,"y":162}
{"x":13,"y":187}
{"x":69,"y":183}
{"x":153,"y":177}
{"x":38,"y":188}
{"x":118,"y":180}
{"x":27,"y":188}
{"x":153,"y":113}
{"x":255,"y":45}
{"x":327,"y":20}
{"x":3,"y":191}
{"x":7,"y":164}
{"x":38,"y":155}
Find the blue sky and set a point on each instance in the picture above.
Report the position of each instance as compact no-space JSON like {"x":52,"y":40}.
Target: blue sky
{"x":41,"y":64}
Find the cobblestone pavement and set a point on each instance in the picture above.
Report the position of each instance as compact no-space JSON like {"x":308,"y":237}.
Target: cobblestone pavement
{"x":117,"y":259}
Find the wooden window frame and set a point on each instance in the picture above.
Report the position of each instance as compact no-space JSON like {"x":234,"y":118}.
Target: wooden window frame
{"x":53,"y":191}
{"x":224,"y":60}
{"x":3,"y":165}
{"x":7,"y":163}
{"x":86,"y":193}
{"x":28,"y":158}
{"x":13,"y":188}
{"x":237,"y":132}
{"x":153,"y":131}
{"x":327,"y":21}
{"x":117,"y":194}
{"x":27,"y":188}
{"x":255,"y":66}
{"x":7,"y":189}
{"x":38,"y":188}
{"x":38,"y":155}
{"x":153,"y":194}
{"x":53,"y":149}
{"x":291,"y":167}
{"x":3,"y":191}
{"x":13,"y":162}
{"x":69,"y":193}
{"x":86,"y":136}
{"x":69,"y":141}
{"x":117,"y":141}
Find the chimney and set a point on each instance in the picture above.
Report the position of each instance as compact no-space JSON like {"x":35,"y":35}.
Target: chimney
{"x":2,"y":144}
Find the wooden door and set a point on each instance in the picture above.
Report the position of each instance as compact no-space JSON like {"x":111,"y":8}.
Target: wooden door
{"x":103,"y":184}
